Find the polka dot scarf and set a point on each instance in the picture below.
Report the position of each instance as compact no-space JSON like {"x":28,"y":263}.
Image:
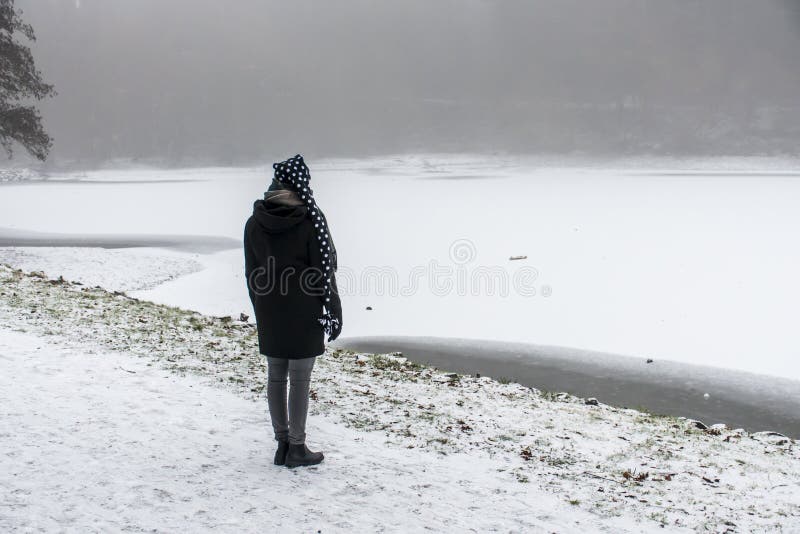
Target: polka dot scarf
{"x":294,"y":173}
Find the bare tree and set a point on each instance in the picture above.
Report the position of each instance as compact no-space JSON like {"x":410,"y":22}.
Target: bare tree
{"x":20,"y":82}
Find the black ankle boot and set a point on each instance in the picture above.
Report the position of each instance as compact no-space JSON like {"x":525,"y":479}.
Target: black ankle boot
{"x":280,"y":454}
{"x":300,"y":455}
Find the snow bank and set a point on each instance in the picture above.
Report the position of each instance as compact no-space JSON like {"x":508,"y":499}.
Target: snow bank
{"x":113,"y":269}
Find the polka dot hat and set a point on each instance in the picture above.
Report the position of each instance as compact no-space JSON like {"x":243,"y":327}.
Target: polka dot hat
{"x":294,"y":173}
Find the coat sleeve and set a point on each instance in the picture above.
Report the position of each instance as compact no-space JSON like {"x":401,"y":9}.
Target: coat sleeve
{"x":249,"y":261}
{"x":336,"y":303}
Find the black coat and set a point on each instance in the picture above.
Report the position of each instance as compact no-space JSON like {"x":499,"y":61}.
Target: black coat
{"x":282,"y":262}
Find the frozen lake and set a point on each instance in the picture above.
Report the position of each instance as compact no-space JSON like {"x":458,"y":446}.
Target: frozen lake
{"x":688,"y":261}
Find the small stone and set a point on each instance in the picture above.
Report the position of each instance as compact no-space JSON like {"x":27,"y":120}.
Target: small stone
{"x":591,"y":401}
{"x":369,"y":308}
{"x":243,"y":317}
{"x":649,"y":360}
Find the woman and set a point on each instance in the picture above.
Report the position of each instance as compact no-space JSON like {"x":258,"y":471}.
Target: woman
{"x":290,"y":265}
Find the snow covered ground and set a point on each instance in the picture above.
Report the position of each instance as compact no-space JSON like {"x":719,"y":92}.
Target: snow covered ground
{"x":105,"y":442}
{"x":120,"y":414}
{"x":674,"y":260}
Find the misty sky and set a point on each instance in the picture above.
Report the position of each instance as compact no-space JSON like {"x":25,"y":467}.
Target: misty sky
{"x":250,"y":80}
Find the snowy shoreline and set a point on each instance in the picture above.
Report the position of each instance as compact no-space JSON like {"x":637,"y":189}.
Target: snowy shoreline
{"x":619,"y":470}
{"x":736,"y":398}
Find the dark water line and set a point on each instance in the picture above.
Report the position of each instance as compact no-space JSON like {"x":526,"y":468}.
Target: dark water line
{"x":78,"y":181}
{"x":186,"y":243}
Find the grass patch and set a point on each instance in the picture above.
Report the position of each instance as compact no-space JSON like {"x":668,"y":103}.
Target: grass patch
{"x":387,"y":363}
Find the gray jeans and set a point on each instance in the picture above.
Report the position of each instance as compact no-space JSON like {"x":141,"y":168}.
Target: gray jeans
{"x":289,"y":426}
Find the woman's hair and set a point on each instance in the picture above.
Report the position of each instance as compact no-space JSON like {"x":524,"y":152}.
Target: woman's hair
{"x":277,"y":186}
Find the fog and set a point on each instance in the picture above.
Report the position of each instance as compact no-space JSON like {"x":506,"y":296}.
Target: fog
{"x":179,"y":82}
